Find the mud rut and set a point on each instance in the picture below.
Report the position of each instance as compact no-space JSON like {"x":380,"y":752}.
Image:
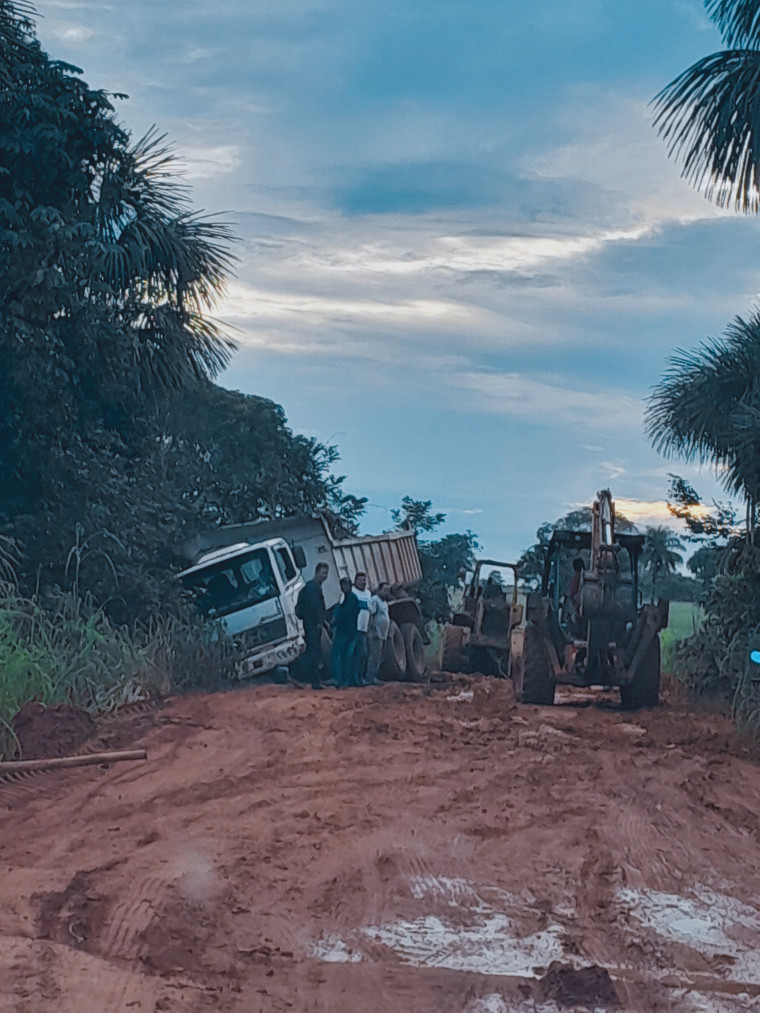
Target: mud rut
{"x":393,"y":849}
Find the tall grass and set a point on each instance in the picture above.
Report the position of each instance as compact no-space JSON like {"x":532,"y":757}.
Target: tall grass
{"x":71,"y":653}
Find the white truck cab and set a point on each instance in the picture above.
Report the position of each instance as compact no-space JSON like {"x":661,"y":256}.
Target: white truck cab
{"x":252,"y":588}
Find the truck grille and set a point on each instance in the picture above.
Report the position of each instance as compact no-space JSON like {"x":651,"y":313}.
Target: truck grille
{"x":266,"y":633}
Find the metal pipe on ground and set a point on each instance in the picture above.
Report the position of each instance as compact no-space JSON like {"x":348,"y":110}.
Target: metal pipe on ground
{"x":12,"y":766}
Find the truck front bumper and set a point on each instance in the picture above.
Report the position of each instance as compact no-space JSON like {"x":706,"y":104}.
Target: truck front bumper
{"x":268,"y":657}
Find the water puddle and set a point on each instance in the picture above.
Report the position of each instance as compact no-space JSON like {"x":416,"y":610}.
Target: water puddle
{"x":462,"y":926}
{"x":481,"y":936}
{"x":714,"y":924}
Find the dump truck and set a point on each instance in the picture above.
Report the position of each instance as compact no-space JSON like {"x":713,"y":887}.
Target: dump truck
{"x":478,"y":637}
{"x":598,"y":635}
{"x":246,"y":579}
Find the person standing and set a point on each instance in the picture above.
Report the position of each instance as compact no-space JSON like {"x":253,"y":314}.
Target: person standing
{"x":310,"y":609}
{"x":366,"y":608}
{"x":344,"y":636}
{"x":380,"y":624}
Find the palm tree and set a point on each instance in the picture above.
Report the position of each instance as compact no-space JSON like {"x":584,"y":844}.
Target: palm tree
{"x":706,"y":409}
{"x":710,"y":114}
{"x":661,"y":555}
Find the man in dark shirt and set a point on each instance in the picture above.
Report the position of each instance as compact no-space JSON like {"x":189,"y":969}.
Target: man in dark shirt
{"x":310,"y":609}
{"x":345,"y":636}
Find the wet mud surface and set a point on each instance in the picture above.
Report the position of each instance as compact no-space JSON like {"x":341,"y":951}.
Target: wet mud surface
{"x":420,"y":849}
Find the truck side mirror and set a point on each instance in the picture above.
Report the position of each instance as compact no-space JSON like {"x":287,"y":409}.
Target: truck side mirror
{"x":299,"y":556}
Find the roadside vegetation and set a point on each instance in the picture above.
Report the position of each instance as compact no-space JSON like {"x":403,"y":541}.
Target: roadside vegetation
{"x":116,"y":444}
{"x":706,"y":408}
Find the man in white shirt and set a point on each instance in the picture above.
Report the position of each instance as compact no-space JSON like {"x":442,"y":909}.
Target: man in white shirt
{"x":377,"y":634}
{"x":366,"y":610}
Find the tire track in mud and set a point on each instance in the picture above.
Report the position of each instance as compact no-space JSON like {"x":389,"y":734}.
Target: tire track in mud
{"x":129,"y":917}
{"x":435,"y":837}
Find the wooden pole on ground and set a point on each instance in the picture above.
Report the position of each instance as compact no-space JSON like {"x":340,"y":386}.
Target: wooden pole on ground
{"x":10,"y":766}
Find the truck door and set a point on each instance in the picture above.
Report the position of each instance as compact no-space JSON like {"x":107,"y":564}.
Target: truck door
{"x":291,"y":579}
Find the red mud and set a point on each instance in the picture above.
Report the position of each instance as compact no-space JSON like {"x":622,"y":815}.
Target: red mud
{"x":51,"y":731}
{"x":397,"y":848}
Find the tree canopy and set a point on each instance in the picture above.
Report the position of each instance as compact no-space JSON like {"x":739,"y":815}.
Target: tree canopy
{"x":442,"y":559}
{"x":706,"y":408}
{"x":115,"y":443}
{"x":710,"y":114}
{"x":661,"y":556}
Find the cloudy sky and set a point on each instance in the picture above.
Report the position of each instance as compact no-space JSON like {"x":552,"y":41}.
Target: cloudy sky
{"x":464,"y":254}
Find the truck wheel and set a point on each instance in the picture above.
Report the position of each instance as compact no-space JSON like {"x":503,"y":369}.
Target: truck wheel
{"x":531,"y":672}
{"x":454,"y":657}
{"x":415,"y":652}
{"x":644,"y":691}
{"x":394,"y":655}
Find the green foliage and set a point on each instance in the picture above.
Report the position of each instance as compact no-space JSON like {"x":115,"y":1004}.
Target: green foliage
{"x":677,"y":587}
{"x":442,"y":559}
{"x":707,"y":405}
{"x":715,"y":661}
{"x":230,"y":458}
{"x":104,"y":278}
{"x":660,"y":556}
{"x":115,"y":445}
{"x":685,"y":503}
{"x":416,"y":515}
{"x":705,"y":564}
{"x":70,"y":654}
{"x":709,"y":114}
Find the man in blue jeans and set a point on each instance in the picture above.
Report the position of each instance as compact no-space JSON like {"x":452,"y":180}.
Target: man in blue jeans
{"x":310,"y":609}
{"x":345,"y":637}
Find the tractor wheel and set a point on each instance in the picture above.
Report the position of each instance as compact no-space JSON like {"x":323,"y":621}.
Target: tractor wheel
{"x":644,"y":691}
{"x":415,"y":652}
{"x":454,"y":657}
{"x":393,"y":668}
{"x":531,"y":672}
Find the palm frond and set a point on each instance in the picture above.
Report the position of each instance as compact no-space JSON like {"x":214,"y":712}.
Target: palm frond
{"x":706,"y":407}
{"x":710,"y":118}
{"x":158,"y":173}
{"x":738,"y":21}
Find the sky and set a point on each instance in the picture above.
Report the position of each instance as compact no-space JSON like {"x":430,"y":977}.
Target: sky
{"x":464,"y":254}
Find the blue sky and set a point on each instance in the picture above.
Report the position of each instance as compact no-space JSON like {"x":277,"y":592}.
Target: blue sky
{"x":464,"y":254}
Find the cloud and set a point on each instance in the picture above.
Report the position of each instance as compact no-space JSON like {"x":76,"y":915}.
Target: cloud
{"x":649,"y":513}
{"x":73,"y":34}
{"x":249,"y":305}
{"x":616,"y":149}
{"x":544,"y":402}
{"x":458,"y":228}
{"x":210,"y":162}
{"x":614,"y":471}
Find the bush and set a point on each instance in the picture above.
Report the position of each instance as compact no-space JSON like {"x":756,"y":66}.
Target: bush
{"x":714,"y":663}
{"x":69,"y":652}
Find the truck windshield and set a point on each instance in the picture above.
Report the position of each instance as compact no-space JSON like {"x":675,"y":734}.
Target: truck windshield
{"x":233,"y":584}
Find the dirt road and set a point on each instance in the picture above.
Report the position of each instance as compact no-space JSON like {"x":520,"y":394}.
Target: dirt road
{"x":388,"y":849}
